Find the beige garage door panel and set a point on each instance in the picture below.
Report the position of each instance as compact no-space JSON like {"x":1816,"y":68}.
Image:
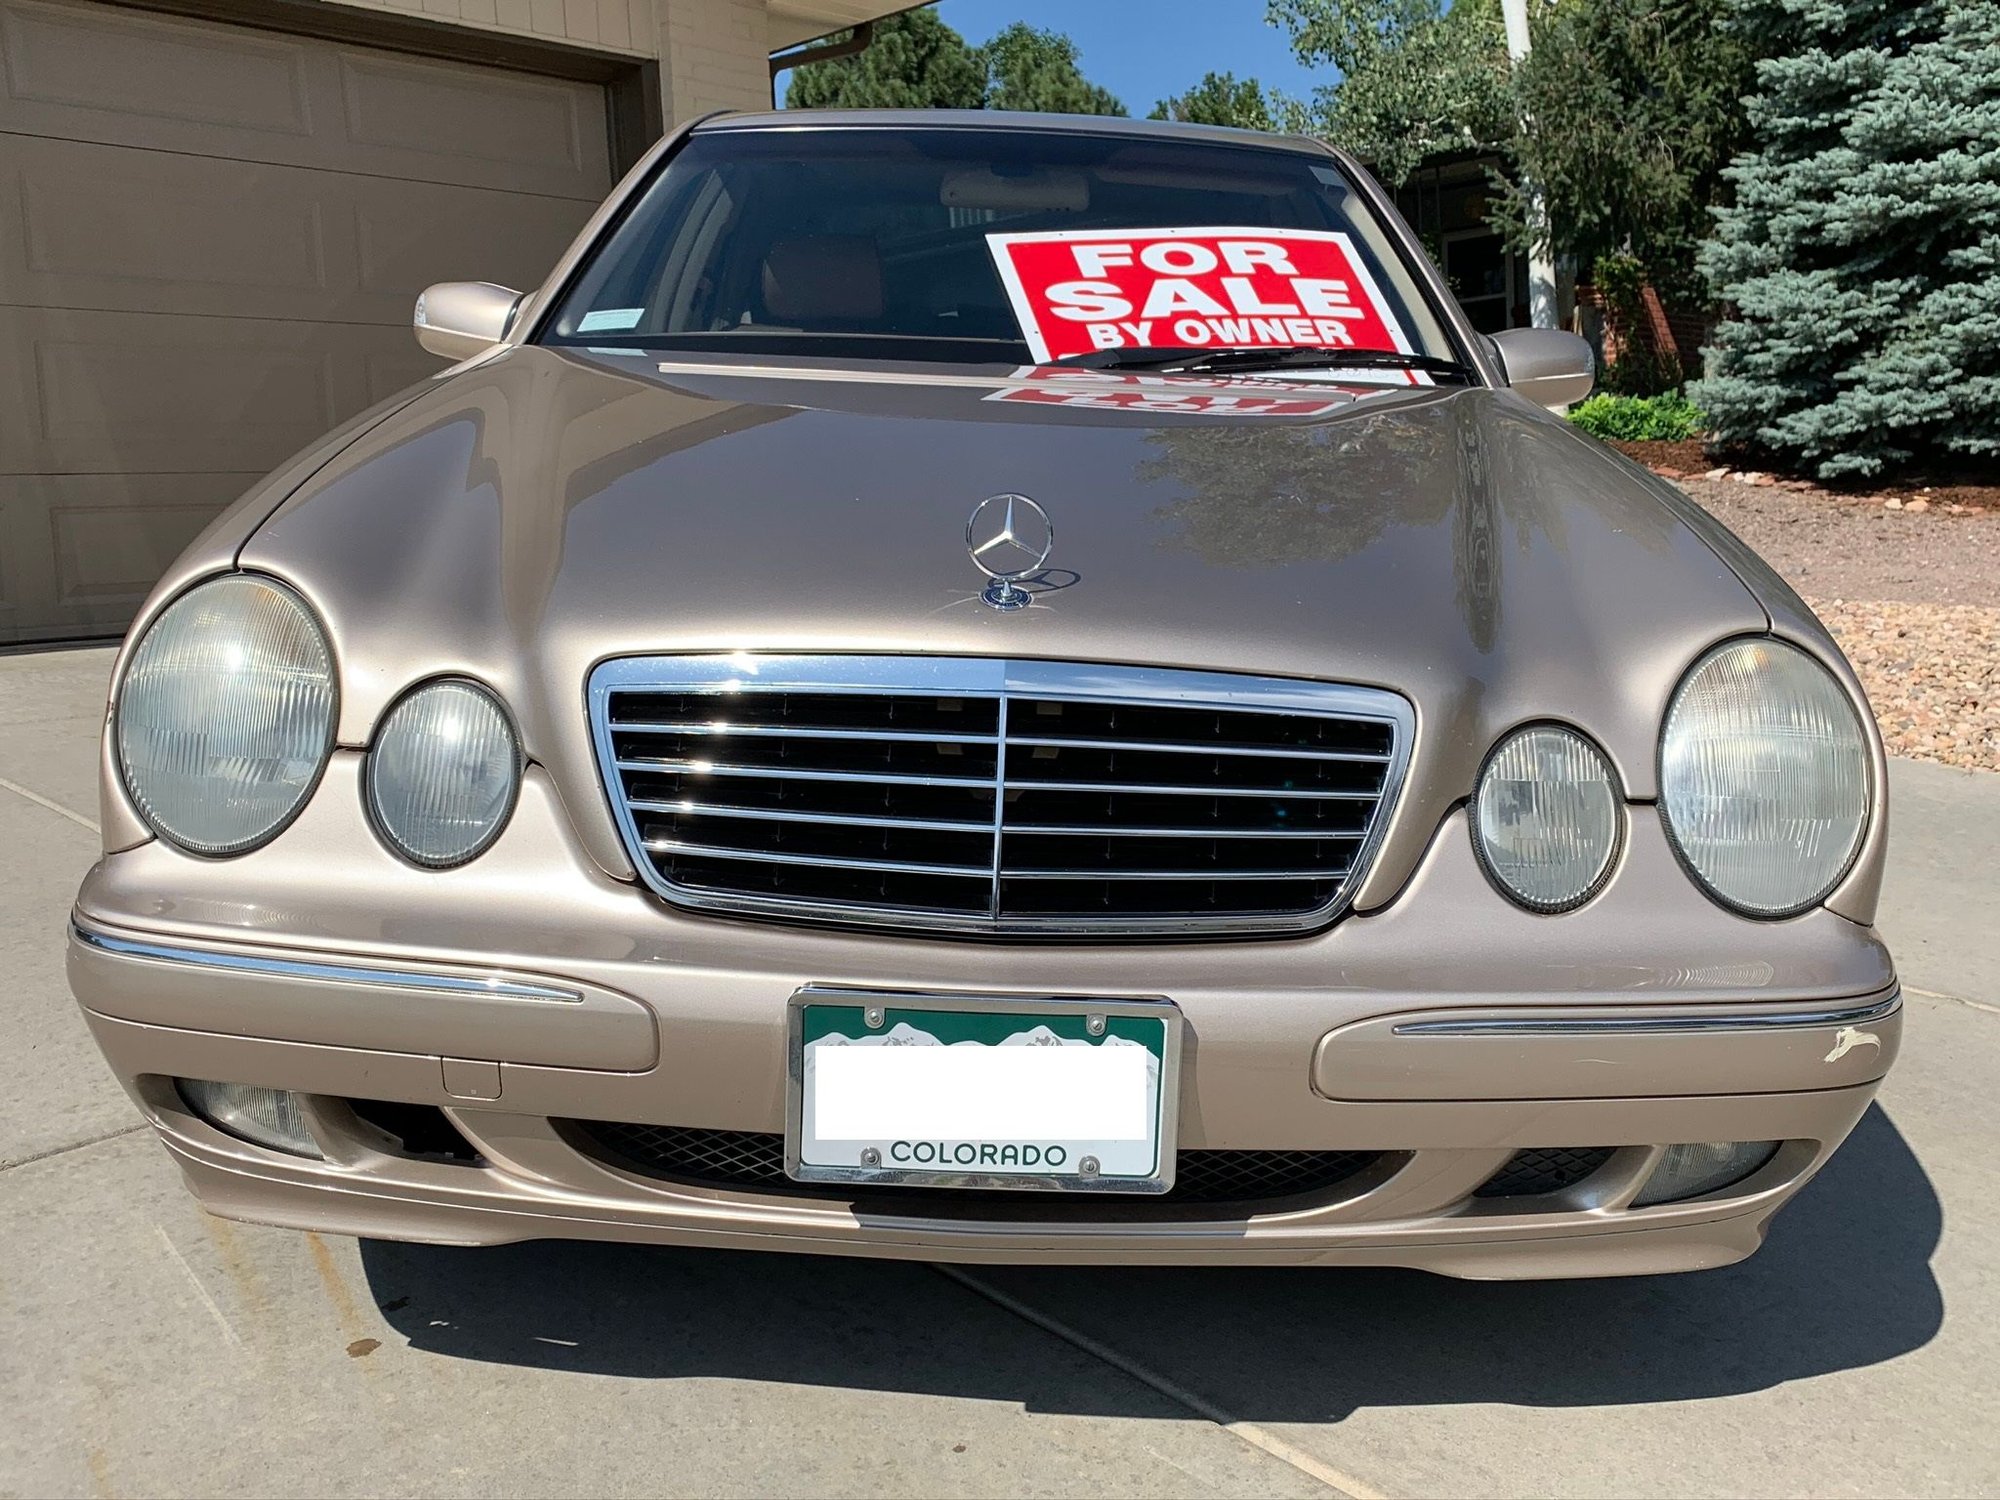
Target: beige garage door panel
{"x":409,"y":235}
{"x":97,"y":540}
{"x":210,"y":241}
{"x":241,"y":239}
{"x":112,"y":393}
{"x":130,"y":79}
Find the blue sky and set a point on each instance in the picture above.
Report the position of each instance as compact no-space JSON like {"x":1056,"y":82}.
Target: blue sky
{"x":1144,"y":50}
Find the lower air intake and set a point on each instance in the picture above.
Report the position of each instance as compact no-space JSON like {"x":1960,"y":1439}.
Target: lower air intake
{"x":1544,"y":1169}
{"x":755,"y":1160}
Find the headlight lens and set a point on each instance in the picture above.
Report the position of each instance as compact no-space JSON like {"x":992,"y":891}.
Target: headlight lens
{"x":1545,"y":817}
{"x":225,"y":717}
{"x":1764,"y":777}
{"x":443,"y":773}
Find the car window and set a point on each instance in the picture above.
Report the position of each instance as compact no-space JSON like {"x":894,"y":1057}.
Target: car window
{"x":860,"y":242}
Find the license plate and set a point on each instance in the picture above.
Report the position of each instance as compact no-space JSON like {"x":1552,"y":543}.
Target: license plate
{"x":971,"y":1091}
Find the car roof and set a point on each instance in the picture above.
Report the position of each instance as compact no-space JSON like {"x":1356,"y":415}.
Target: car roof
{"x":1004,"y":119}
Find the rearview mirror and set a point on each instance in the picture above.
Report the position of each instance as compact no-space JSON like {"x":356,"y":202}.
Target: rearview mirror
{"x":1050,"y":190}
{"x":459,"y":319}
{"x":1548,"y":366}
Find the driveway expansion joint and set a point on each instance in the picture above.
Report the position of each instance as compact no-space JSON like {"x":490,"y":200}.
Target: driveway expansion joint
{"x":82,"y":1145}
{"x":1987,"y":1006}
{"x":55,"y":807}
{"x":1250,"y":1433}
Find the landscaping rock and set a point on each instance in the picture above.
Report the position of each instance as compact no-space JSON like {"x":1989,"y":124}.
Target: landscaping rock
{"x":1932,"y":674}
{"x":1916,"y":608}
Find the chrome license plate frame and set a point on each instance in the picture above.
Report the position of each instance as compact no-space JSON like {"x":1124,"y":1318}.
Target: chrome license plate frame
{"x":865,"y":1016}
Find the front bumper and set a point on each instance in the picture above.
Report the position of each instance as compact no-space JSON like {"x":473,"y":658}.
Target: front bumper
{"x":1447,"y":1031}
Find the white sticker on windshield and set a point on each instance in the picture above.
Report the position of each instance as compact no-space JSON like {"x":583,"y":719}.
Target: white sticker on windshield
{"x":609,"y":319}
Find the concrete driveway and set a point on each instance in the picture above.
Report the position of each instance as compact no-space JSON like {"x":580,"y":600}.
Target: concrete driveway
{"x":148,"y":1349}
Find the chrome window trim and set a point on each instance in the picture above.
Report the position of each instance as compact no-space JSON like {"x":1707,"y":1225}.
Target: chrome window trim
{"x":1656,"y":1025}
{"x":1002,"y":678}
{"x":321,"y":973}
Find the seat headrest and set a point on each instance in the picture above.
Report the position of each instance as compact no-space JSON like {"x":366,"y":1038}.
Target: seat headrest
{"x":823,"y":278}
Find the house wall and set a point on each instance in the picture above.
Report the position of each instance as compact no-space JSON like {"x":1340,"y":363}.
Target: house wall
{"x":713,"y":54}
{"x":615,"y":25}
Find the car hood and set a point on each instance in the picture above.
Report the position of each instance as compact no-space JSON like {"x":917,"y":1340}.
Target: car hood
{"x":534,"y":515}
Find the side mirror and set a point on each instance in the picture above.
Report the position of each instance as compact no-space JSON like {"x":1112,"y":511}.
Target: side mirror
{"x":459,"y":319}
{"x":1548,"y":366}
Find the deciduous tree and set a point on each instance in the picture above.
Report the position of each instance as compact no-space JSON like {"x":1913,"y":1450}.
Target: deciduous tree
{"x":915,"y":61}
{"x":1628,"y":111}
{"x":1037,"y":70}
{"x":1219,"y":99}
{"x":1417,"y":77}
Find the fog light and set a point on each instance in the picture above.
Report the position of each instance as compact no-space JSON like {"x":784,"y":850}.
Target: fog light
{"x":1702,"y":1167}
{"x":269,"y":1117}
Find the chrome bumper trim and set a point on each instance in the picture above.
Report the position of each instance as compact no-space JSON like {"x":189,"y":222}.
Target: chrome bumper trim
{"x":323,"y":973}
{"x":1655,"y":1025}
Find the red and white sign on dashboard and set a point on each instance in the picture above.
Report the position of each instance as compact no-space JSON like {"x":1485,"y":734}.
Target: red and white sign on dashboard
{"x":1076,"y":291}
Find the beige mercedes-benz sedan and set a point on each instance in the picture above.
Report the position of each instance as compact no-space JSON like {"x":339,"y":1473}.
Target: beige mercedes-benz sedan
{"x":990,"y":687}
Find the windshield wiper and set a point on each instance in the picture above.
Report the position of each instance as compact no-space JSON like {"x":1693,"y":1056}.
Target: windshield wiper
{"x":1247,"y":360}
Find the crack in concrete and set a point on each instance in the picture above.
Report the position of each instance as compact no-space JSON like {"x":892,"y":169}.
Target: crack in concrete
{"x":83,"y":1145}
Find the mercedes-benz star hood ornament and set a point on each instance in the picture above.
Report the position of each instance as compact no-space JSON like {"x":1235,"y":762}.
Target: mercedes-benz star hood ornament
{"x":1010,"y":538}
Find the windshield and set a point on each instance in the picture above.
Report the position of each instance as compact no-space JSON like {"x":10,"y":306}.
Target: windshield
{"x":857,"y":242}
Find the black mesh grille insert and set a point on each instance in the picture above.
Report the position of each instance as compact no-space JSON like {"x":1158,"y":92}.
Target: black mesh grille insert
{"x":1544,"y":1169}
{"x":755,"y":1160}
{"x":728,"y":1158}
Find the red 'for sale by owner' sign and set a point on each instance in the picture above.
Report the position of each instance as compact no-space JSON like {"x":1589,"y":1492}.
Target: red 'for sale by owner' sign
{"x":1076,"y":291}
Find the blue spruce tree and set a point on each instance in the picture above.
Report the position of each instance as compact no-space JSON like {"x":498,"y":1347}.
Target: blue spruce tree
{"x":1861,"y":260}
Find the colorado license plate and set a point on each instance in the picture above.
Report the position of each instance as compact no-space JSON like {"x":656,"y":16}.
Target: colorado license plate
{"x":967,"y":1091}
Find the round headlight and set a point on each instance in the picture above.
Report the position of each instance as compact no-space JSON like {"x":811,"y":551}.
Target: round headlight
{"x":1545,"y":818}
{"x":1764,"y":777}
{"x":443,"y":773}
{"x":225,"y":717}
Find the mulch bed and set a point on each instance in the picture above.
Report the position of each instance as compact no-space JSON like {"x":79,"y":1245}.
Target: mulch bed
{"x":1684,"y":457}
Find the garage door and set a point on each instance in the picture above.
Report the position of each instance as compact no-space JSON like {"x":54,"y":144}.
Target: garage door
{"x":210,"y":241}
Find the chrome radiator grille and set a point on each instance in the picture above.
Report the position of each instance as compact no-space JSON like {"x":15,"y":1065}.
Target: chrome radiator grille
{"x":996,"y":797}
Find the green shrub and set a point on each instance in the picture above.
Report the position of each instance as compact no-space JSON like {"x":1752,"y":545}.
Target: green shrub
{"x":1639,"y":419}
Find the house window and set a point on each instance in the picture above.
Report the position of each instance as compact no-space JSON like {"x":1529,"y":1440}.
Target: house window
{"x":1446,"y":202}
{"x":1481,"y":275}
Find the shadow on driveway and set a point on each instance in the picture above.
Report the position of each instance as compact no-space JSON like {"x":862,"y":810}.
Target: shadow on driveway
{"x":1844,"y":1281}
